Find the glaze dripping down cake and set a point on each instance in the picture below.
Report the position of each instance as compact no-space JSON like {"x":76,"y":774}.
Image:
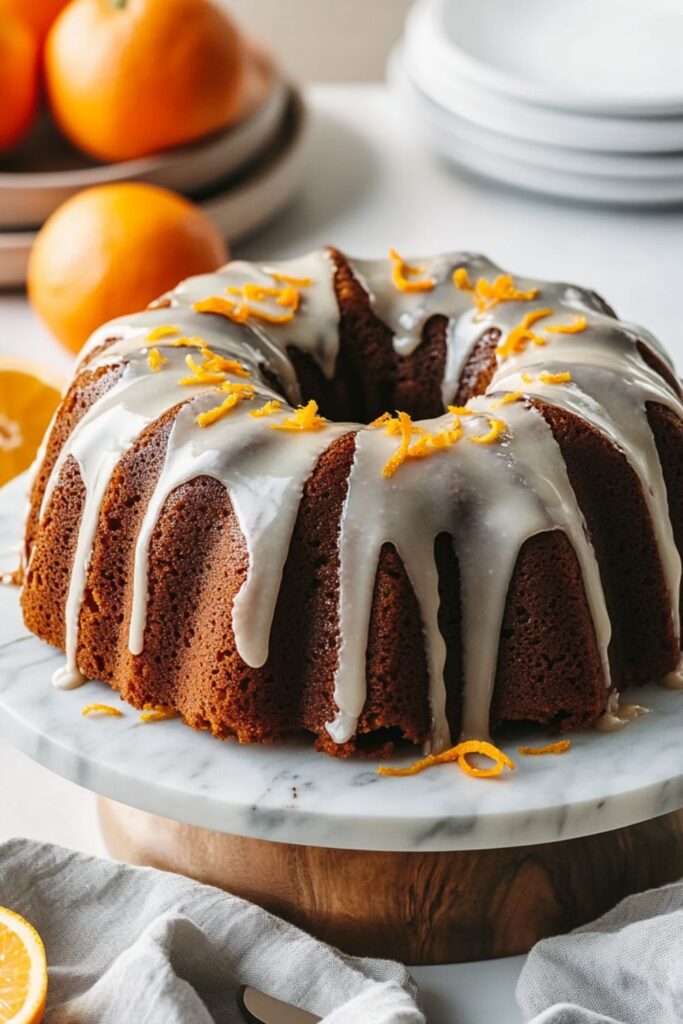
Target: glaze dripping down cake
{"x":366,"y":500}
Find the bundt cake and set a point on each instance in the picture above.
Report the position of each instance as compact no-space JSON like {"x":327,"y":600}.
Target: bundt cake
{"x":229,"y":518}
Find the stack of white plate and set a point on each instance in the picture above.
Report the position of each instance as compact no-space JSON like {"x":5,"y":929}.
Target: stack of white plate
{"x":575,"y":98}
{"x":241,"y":177}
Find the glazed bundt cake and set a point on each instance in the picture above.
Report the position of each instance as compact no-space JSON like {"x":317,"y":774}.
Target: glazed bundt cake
{"x":230,"y":519}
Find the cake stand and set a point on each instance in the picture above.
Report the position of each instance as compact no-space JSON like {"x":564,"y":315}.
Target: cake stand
{"x":436,"y":868}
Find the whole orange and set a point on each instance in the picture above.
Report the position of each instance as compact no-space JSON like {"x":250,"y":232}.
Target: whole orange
{"x":37,"y":14}
{"x":19,"y":79}
{"x":127,"y":78}
{"x":111,"y":250}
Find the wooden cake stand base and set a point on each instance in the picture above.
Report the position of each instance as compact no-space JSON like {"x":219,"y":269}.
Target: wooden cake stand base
{"x":420,"y":908}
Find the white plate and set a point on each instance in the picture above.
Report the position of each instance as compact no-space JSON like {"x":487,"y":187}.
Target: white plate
{"x":520,"y":119}
{"x":648,"y":169}
{"x":238,"y":209}
{"x":612,"y":57}
{"x":583,"y":187}
{"x":46,"y":172}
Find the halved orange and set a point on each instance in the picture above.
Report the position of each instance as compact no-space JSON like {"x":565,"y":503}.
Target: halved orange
{"x":23,"y":971}
{"x":29,"y":395}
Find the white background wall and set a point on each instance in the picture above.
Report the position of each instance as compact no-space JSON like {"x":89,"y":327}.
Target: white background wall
{"x":325,"y":40}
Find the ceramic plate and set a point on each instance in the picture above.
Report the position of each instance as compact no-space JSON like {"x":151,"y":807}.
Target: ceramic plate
{"x":613,"y":57}
{"x":237,"y":207}
{"x":38,"y":178}
{"x":646,"y":168}
{"x":510,"y":116}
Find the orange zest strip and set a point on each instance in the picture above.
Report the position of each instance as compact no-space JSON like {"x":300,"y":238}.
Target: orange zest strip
{"x":298,"y":282}
{"x":579,"y":324}
{"x":560,"y":747}
{"x":534,"y":315}
{"x":157,"y":713}
{"x":512,"y":396}
{"x":555,"y":378}
{"x":487,"y":295}
{"x":521,"y":335}
{"x":528,"y":379}
{"x":267,"y":410}
{"x":218,"y":364}
{"x":101,"y":709}
{"x":200,"y":374}
{"x":460,"y":410}
{"x":497,"y":428}
{"x":426,"y":444}
{"x":218,"y":304}
{"x":401,"y":274}
{"x":239,"y":309}
{"x":236,"y":393}
{"x":163,"y":331}
{"x":459,"y":755}
{"x":304,"y":418}
{"x":188,"y":343}
{"x":155,"y":360}
{"x":287,"y":296}
{"x":404,"y":427}
{"x":381,"y":421}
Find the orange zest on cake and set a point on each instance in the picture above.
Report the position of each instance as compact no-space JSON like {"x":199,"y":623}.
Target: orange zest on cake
{"x":459,"y":754}
{"x":212,"y":370}
{"x":155,"y":360}
{"x":187,"y":343}
{"x":298,"y":282}
{"x":560,"y":747}
{"x":405,"y":277}
{"x":405,"y":427}
{"x":287,"y":297}
{"x":488,"y":294}
{"x":267,"y":410}
{"x":102,"y":709}
{"x":429,"y":442}
{"x":304,"y":418}
{"x":579,"y":324}
{"x":236,"y":393}
{"x":563,"y":377}
{"x":157,"y":713}
{"x":497,"y":427}
{"x":249,"y":299}
{"x":163,"y":331}
{"x":222,"y":306}
{"x":426,"y":443}
{"x":520,"y":336}
{"x":219,"y":364}
{"x":200,"y":375}
{"x":512,"y":396}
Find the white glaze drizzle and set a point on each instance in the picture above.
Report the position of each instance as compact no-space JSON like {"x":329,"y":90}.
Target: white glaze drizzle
{"x":106,"y":432}
{"x":619,"y":714}
{"x":264,"y":474}
{"x":490,"y":499}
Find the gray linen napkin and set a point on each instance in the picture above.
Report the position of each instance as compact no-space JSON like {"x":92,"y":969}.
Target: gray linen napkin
{"x":624,"y":968}
{"x":137,"y":945}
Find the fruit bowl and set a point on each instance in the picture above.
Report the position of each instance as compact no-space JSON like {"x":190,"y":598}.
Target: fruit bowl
{"x":46,"y":170}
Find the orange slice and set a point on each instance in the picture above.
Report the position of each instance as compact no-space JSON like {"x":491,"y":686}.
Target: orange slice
{"x":23,"y":971}
{"x":29,"y":396}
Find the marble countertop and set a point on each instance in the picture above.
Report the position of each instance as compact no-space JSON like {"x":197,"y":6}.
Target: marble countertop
{"x":386,"y":191}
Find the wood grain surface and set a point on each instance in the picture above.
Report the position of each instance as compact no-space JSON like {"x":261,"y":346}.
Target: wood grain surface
{"x":421,"y":908}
